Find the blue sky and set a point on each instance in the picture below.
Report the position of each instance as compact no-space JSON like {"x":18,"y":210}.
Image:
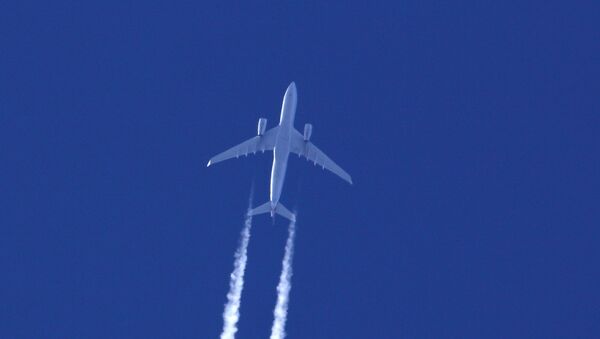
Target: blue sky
{"x":470,"y":131}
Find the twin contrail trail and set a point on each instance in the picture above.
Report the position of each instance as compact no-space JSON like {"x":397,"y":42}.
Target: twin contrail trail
{"x":231,"y":314}
{"x":283,"y":139}
{"x":284,"y":286}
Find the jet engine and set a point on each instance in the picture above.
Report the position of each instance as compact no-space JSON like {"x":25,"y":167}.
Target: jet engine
{"x":262,"y":125}
{"x":307,"y":132}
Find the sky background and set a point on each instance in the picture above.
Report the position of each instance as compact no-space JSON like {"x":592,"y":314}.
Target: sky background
{"x":470,"y":130}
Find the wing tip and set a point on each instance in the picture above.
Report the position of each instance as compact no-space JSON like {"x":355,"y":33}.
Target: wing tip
{"x":209,"y":163}
{"x":349,"y":180}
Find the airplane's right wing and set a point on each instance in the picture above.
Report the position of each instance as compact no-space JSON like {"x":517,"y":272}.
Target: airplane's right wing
{"x":265,"y":142}
{"x":308,"y":150}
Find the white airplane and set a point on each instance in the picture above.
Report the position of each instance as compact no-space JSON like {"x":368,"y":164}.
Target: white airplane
{"x":282,"y":140}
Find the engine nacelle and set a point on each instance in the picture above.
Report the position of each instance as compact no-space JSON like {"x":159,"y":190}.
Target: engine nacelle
{"x":307,"y":132}
{"x":262,"y":126}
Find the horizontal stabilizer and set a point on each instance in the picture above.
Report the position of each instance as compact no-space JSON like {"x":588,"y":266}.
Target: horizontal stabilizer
{"x":279,"y":209}
{"x":284,"y":212}
{"x":264,"y":208}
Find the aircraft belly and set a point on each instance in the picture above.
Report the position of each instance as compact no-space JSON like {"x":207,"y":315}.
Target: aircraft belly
{"x":280,"y":159}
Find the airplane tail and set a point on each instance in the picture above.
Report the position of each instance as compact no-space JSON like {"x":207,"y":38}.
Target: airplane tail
{"x":279,"y":209}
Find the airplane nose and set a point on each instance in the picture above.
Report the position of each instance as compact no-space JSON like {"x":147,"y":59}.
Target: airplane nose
{"x":291,"y":90}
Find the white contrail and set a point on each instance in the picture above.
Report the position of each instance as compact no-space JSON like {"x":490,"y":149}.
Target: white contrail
{"x":284,"y":286}
{"x":231,"y":314}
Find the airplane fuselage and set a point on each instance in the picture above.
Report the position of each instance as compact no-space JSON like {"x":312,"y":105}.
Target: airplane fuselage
{"x":282,"y":140}
{"x":281,"y":150}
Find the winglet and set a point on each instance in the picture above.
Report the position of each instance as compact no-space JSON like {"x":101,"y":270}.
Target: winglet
{"x":209,"y":162}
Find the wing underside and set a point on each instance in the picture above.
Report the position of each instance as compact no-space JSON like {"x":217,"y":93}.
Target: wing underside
{"x":312,"y":153}
{"x":265,"y":142}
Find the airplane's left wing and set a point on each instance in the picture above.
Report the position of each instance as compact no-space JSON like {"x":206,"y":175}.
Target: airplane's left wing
{"x":308,"y":150}
{"x":264,"y":142}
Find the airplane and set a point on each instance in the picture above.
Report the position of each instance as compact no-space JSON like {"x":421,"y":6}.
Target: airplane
{"x":282,"y":139}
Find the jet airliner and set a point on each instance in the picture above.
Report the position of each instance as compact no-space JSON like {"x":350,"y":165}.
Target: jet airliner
{"x":282,"y":139}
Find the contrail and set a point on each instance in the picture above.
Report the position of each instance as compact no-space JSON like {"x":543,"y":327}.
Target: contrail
{"x":284,"y":286}
{"x":231,"y":314}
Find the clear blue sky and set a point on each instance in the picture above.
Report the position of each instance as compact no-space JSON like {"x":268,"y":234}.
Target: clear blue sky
{"x":470,"y":130}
